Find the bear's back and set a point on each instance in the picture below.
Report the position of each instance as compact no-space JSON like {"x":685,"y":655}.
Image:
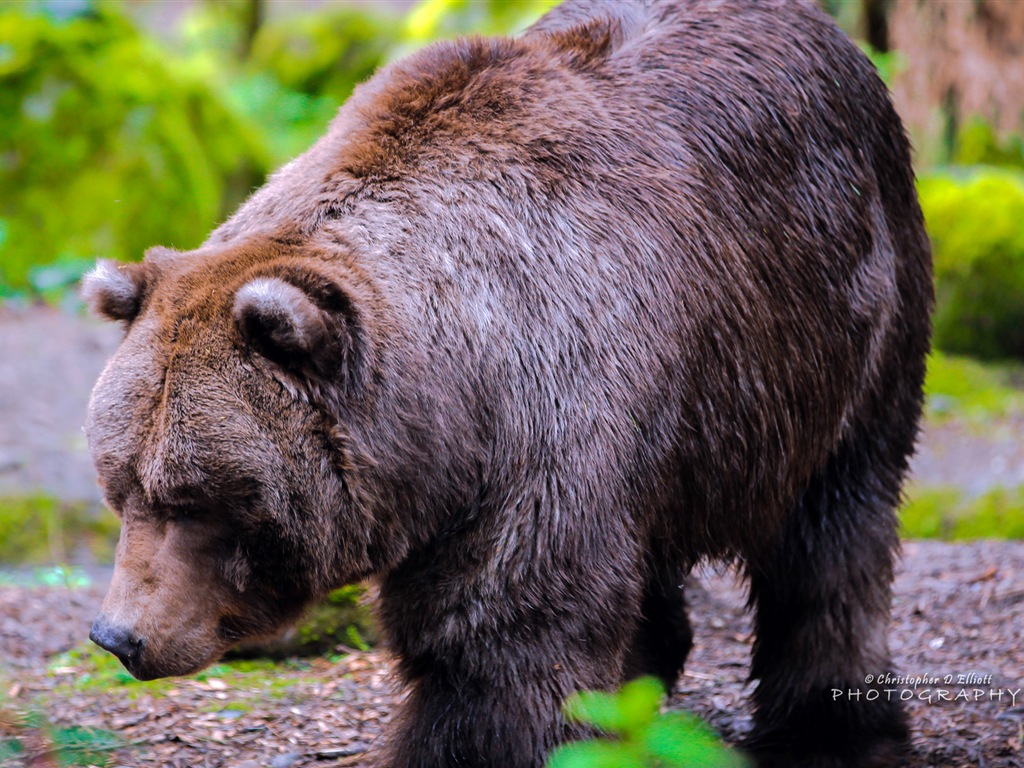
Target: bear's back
{"x":650,"y":226}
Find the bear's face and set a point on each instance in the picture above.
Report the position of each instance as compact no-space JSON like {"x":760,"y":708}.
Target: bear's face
{"x":226,"y":473}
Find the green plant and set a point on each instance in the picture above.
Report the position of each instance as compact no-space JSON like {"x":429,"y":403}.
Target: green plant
{"x":642,"y":736}
{"x":974,"y":221}
{"x":38,"y":742}
{"x":302,"y":68}
{"x":107,"y":145}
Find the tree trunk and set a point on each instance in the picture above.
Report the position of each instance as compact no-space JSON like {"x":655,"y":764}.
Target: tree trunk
{"x":962,"y":61}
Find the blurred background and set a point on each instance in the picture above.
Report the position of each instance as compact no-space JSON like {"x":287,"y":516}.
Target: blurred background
{"x":140,"y":122}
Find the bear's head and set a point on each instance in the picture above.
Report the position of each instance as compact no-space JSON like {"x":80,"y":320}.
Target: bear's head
{"x":215,"y":431}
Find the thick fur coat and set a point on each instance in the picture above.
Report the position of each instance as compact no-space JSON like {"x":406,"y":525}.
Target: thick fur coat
{"x":537,"y":325}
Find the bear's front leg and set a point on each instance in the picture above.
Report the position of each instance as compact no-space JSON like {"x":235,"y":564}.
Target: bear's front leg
{"x":510,"y":718}
{"x":489,"y":664}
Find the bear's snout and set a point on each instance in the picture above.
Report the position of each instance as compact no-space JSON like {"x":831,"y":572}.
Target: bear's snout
{"x":119,"y":640}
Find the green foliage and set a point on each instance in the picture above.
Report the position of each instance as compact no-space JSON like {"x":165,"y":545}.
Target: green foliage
{"x":302,"y":68}
{"x":322,"y":55}
{"x":643,"y":737}
{"x":978,"y":245}
{"x":848,"y":15}
{"x":949,"y":514}
{"x":444,"y":19}
{"x":107,"y":146}
{"x":977,"y":144}
{"x":110,"y":144}
{"x":961,"y":388}
{"x":41,"y":529}
{"x":888,"y":63}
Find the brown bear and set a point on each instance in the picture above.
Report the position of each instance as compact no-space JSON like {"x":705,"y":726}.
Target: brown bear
{"x":538,"y":325}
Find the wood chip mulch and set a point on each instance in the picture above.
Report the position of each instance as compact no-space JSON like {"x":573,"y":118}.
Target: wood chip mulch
{"x":957,"y":618}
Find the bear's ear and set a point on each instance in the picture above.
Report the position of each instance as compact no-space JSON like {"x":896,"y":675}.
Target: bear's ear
{"x":292,"y":327}
{"x":113,"y":290}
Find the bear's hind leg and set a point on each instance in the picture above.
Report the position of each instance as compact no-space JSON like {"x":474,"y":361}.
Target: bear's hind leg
{"x":663,"y":635}
{"x":822,"y":597}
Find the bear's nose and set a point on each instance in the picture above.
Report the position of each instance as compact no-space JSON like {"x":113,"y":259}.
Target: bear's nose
{"x":120,"y":641}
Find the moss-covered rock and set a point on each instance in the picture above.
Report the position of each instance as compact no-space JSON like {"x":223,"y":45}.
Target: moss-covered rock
{"x":343,"y":620}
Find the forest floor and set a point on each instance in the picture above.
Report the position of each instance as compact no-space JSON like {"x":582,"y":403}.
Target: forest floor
{"x":957,"y":619}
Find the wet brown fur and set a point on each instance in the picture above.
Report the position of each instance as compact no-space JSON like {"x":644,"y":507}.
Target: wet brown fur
{"x":573,"y":311}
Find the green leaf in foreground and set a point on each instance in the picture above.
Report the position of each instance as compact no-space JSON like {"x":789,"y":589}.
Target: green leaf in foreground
{"x":627,"y":712}
{"x":678,"y":739}
{"x":596,"y":754}
{"x":641,"y":736}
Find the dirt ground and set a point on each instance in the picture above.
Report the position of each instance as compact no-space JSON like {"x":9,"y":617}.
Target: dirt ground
{"x":957,"y":620}
{"x":957,"y":614}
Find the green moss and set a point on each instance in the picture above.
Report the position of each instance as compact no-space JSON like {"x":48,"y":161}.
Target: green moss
{"x":996,"y":514}
{"x":86,"y":671}
{"x":239,"y":667}
{"x":948,"y":514}
{"x":89,"y":669}
{"x":924,"y":515}
{"x":343,"y":619}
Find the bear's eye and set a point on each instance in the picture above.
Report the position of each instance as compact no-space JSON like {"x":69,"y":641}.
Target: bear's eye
{"x":182,"y":512}
{"x":175,"y":513}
